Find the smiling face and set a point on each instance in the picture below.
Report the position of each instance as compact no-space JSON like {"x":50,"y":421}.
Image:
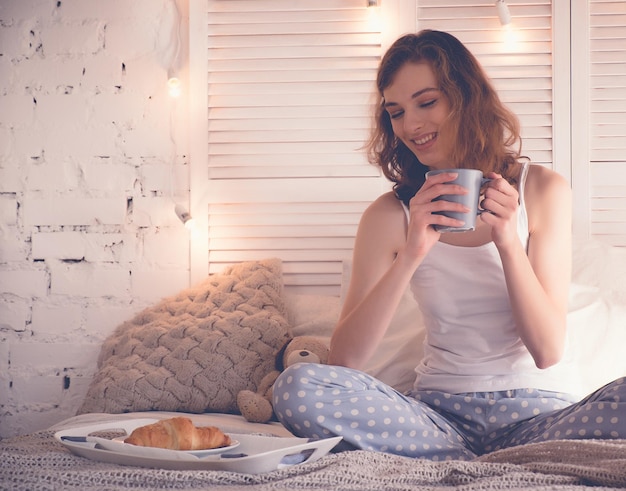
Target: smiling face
{"x":418,"y":109}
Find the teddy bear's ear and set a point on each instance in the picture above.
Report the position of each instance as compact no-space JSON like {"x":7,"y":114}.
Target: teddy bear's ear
{"x":302,"y":356}
{"x":279,"y":364}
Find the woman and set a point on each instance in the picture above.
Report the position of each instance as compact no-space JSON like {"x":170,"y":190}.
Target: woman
{"x":494,"y":299}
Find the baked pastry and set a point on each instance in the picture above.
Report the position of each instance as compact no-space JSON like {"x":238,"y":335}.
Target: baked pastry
{"x":178,"y":434}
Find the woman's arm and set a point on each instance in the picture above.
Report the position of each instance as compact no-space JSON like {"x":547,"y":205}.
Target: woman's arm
{"x":377,"y":283}
{"x":538,"y":279}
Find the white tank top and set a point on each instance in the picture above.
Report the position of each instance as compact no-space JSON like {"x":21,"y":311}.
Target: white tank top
{"x":471,"y":343}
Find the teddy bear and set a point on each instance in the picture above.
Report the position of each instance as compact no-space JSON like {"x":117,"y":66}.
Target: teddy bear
{"x":257,"y":407}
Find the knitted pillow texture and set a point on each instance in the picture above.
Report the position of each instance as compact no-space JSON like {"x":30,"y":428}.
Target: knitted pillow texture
{"x":195,"y":351}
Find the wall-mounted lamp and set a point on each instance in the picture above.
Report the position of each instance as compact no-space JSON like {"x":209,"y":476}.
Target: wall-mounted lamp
{"x":503,"y":12}
{"x":184,"y":216}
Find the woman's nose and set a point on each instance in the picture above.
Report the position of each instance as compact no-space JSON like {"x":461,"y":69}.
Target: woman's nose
{"x":412,"y":121}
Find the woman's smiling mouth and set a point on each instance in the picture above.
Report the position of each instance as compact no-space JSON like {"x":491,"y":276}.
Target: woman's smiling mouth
{"x":425,"y":139}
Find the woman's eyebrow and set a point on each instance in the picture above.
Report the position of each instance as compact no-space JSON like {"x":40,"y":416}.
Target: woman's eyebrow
{"x":416,"y":94}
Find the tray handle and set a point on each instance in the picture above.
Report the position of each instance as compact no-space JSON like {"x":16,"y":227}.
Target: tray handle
{"x":307,"y":452}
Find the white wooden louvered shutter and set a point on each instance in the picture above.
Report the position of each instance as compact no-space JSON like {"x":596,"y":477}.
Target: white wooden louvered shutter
{"x":607,"y":119}
{"x":519,"y":61}
{"x":289,"y":94}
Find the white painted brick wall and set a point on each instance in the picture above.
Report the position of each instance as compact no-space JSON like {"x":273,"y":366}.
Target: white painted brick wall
{"x":8,"y":211}
{"x":93,"y":158}
{"x":58,"y":245}
{"x":55,"y":320}
{"x":59,"y":210}
{"x":14,"y":315}
{"x":28,"y":284}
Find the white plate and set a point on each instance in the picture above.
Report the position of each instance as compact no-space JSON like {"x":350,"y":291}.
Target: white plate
{"x":117,"y":445}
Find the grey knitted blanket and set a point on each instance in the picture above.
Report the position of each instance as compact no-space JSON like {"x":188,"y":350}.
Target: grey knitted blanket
{"x":38,"y":462}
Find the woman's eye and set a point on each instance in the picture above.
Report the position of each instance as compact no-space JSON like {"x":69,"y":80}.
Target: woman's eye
{"x":428,"y":103}
{"x":396,"y":115}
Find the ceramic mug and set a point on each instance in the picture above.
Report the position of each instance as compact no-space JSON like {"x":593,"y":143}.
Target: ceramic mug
{"x":473,"y":181}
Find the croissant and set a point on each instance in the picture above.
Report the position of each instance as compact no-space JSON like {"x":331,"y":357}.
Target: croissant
{"x":178,"y":434}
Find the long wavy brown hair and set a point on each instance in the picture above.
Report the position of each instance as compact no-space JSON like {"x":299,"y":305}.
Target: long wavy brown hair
{"x":481,"y":131}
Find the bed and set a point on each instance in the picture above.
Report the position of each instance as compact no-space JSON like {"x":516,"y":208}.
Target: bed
{"x":152,"y":368}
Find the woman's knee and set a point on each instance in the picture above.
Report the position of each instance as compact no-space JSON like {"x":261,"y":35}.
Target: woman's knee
{"x":614,"y":392}
{"x":294,"y":382}
{"x":299,"y":375}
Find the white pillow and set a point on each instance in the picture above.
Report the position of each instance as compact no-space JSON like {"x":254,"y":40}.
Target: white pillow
{"x":600,"y":265}
{"x":312,"y":315}
{"x":597,"y":336}
{"x":597,"y":312}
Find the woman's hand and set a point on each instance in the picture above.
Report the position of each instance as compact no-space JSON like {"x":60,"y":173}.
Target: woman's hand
{"x":500,"y":202}
{"x":422,"y":235}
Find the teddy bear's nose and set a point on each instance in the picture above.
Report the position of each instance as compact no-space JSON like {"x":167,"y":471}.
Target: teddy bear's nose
{"x":304,"y":353}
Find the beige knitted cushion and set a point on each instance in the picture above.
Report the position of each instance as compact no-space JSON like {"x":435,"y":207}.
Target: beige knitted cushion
{"x":196,"y":350}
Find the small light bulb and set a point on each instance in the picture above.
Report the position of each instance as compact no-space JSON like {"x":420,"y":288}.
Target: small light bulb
{"x":184,"y":216}
{"x":174,"y":86}
{"x":190,"y":224}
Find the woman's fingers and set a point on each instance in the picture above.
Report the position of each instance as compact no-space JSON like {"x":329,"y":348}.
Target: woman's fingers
{"x":499,"y":198}
{"x":438,"y":185}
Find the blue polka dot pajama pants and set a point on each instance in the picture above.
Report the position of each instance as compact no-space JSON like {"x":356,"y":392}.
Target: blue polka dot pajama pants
{"x":320,"y":401}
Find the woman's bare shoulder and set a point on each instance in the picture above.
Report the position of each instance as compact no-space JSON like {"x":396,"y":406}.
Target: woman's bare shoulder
{"x":384,"y":221}
{"x":544,"y":185}
{"x":548,"y":197}
{"x":385,"y":207}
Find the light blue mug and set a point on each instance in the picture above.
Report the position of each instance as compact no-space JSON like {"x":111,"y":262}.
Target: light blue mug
{"x":471,"y":179}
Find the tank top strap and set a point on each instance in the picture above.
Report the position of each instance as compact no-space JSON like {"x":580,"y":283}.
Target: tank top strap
{"x":522,"y":215}
{"x":406,"y":211}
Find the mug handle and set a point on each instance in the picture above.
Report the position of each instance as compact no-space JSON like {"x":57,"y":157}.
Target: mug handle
{"x":483,"y":181}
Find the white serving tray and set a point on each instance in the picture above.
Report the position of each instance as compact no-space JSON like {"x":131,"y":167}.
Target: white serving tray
{"x":255,"y":454}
